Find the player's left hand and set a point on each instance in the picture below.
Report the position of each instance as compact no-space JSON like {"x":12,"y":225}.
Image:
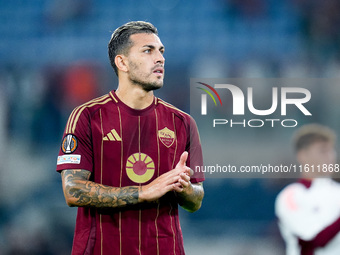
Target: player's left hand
{"x":184,"y":177}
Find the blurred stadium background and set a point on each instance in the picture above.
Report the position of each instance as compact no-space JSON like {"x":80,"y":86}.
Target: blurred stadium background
{"x":53,"y":57}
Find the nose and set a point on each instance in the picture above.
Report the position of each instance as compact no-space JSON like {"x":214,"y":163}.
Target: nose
{"x":159,"y":58}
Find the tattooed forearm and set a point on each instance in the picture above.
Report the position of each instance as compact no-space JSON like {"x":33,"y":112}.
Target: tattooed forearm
{"x":191,"y":200}
{"x":94,"y":194}
{"x":79,"y":191}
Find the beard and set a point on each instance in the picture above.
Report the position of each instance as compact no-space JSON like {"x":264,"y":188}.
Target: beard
{"x":143,"y":80}
{"x":147,"y":86}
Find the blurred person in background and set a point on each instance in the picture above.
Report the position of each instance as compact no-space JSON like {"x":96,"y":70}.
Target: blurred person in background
{"x":125,"y":157}
{"x":309,"y":210}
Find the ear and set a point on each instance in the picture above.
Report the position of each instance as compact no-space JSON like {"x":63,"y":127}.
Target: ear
{"x":121,"y":63}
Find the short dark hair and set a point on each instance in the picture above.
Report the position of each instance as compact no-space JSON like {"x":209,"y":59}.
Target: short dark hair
{"x":120,"y":42}
{"x":311,"y":133}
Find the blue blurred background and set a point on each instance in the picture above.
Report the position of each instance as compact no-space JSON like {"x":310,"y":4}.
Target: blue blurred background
{"x":53,"y":57}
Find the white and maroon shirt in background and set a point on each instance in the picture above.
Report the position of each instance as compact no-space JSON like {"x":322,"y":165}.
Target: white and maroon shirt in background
{"x":309,"y":217}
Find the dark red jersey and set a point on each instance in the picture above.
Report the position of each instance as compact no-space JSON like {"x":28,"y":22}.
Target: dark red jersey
{"x":121,"y":147}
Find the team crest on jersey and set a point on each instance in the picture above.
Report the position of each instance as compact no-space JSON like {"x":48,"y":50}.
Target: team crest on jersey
{"x":140,"y":167}
{"x":69,"y":144}
{"x":166,"y":136}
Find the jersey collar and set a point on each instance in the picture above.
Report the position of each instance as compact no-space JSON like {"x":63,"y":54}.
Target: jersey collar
{"x":130,"y":110}
{"x":306,"y":182}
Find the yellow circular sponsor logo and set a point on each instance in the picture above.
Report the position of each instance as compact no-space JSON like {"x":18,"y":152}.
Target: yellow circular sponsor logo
{"x":140,"y":167}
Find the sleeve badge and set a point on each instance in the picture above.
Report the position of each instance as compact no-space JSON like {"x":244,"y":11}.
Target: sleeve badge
{"x":69,"y":144}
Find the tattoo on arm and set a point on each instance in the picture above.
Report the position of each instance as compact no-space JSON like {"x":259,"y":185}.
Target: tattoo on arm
{"x":82,"y":192}
{"x":192,"y":200}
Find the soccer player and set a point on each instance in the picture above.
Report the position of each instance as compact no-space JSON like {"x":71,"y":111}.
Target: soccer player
{"x":125,"y":157}
{"x":309,"y":210}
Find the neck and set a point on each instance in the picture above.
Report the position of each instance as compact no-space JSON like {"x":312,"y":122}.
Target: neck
{"x":134,"y":96}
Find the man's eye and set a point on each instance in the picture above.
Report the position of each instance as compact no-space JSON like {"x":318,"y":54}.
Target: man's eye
{"x":147,"y":51}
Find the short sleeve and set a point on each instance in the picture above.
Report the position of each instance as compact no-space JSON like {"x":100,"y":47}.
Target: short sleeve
{"x":194,"y":148}
{"x":76,"y":147}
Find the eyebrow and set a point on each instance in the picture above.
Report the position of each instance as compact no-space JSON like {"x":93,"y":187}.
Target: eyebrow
{"x":153,"y":47}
